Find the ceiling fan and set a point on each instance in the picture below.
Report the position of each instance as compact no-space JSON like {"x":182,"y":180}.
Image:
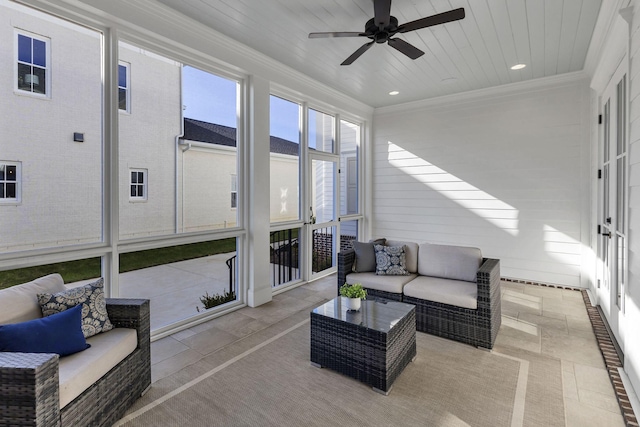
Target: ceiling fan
{"x":383,"y":26}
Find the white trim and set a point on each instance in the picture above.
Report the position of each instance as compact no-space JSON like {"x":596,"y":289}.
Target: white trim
{"x":17,"y":32}
{"x":144,"y":185}
{"x":526,"y":86}
{"x":18,"y":181}
{"x":126,"y":87}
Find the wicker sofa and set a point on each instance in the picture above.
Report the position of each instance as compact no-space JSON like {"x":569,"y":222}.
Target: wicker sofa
{"x":456,"y":292}
{"x":43,"y":389}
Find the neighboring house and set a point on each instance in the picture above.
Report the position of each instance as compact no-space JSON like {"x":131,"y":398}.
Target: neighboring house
{"x":207,"y":184}
{"x":149,"y":122}
{"x":172,"y":179}
{"x":50,"y":134}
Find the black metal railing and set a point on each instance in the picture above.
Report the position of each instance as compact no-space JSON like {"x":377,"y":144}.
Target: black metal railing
{"x":322,"y":255}
{"x":285,"y":256}
{"x":231,"y":263}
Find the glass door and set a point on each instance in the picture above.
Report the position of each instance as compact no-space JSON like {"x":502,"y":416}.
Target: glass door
{"x":323,"y":221}
{"x":322,"y":193}
{"x":612,"y":242}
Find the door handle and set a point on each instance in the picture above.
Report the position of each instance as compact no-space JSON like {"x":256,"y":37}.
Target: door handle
{"x":606,"y":234}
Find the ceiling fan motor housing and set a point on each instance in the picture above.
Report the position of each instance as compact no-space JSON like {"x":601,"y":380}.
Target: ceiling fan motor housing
{"x":381,"y":35}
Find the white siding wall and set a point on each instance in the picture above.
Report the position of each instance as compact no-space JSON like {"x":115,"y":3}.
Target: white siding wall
{"x":206,"y":202}
{"x":499,"y":171}
{"x":284,"y":193}
{"x":147,"y":141}
{"x":61,"y":179}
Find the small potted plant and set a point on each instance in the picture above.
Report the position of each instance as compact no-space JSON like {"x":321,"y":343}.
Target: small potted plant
{"x":353,"y":294}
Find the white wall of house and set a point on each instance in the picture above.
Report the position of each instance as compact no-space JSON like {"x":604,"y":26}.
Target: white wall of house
{"x":284,"y":177}
{"x":148,"y":141}
{"x":61,"y":200}
{"x":503,"y":170}
{"x":204,"y":190}
{"x":204,"y":187}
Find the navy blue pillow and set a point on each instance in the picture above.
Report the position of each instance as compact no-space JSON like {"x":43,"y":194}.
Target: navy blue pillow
{"x":59,"y":333}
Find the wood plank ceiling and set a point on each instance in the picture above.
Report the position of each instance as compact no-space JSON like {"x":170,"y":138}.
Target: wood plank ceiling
{"x":549,"y":36}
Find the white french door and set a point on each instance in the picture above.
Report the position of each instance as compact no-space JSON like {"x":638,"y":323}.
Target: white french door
{"x":323,"y":218}
{"x":612,"y":240}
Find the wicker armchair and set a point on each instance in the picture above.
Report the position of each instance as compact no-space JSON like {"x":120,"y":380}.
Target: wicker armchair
{"x":29,"y":390}
{"x":478,"y":327}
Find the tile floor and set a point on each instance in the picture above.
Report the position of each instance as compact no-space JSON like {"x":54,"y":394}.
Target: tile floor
{"x":547,"y":321}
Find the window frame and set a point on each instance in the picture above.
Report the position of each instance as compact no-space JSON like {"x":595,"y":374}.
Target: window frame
{"x":47,"y":68}
{"x":127,"y":88}
{"x":145,"y":184}
{"x":234,"y":191}
{"x":18,"y":182}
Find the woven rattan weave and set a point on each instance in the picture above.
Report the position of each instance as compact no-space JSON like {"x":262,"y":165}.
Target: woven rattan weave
{"x":372,"y":345}
{"x":29,"y":389}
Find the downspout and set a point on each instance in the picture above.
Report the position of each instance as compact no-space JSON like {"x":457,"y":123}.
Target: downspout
{"x":180,"y":145}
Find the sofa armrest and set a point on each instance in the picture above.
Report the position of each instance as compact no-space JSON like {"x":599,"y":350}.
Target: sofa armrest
{"x":29,"y":389}
{"x":346,"y":259}
{"x":131,"y":313}
{"x":488,"y":279}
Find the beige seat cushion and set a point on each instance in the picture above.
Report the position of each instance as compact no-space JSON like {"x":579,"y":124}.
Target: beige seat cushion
{"x":446,"y":291}
{"x":20,"y":303}
{"x":393,"y":284}
{"x":80,"y":370}
{"x":410,"y":254}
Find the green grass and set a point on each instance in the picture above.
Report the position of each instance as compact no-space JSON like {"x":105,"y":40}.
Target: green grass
{"x":73,"y":271}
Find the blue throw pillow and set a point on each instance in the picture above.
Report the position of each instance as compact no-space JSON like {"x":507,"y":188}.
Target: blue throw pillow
{"x":59,"y":333}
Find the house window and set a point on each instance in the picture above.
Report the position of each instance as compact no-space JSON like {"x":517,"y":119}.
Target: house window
{"x":138,"y":184}
{"x":234,"y":191}
{"x":32,"y":63}
{"x":9,"y":182}
{"x":124,"y":92}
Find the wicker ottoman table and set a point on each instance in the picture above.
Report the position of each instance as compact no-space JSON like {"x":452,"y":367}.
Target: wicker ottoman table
{"x":372,"y":345}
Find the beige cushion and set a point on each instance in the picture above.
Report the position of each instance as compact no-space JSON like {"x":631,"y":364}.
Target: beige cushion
{"x":446,"y":291}
{"x":79,"y":371}
{"x":449,"y":262}
{"x":393,"y":284}
{"x":20,"y":303}
{"x":411,"y":254}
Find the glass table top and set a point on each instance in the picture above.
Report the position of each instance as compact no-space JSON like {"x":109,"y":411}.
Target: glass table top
{"x":377,"y":315}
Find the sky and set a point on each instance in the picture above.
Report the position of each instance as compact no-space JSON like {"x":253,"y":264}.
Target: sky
{"x":212,"y":99}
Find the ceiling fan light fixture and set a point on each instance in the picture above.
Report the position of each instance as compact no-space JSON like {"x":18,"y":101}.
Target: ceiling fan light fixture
{"x":518,"y":66}
{"x":393,"y":92}
{"x":383,"y":27}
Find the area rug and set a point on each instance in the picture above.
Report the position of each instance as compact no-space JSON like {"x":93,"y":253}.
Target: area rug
{"x":272,"y":383}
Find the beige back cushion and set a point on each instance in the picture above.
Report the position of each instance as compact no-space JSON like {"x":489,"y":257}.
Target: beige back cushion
{"x":410,"y":254}
{"x":449,"y":262}
{"x":20,"y":303}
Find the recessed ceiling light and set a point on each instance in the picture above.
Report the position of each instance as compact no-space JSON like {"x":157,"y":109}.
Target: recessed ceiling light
{"x":518,"y":66}
{"x":393,"y":92}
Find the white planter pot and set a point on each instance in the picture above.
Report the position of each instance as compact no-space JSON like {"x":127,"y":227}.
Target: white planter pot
{"x":353,"y":304}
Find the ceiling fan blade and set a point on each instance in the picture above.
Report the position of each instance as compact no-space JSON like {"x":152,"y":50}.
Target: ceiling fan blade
{"x":408,"y":49}
{"x":355,"y":55}
{"x":382,"y":10}
{"x":336,"y":34}
{"x":441,"y":18}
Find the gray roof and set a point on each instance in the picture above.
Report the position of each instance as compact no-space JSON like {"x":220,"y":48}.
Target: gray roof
{"x":197,"y":130}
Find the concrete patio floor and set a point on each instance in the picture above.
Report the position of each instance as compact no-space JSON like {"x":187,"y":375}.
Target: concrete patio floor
{"x":175,"y":289}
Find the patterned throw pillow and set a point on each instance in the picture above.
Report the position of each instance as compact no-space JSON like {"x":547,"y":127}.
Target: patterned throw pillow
{"x":390,"y":261}
{"x":94,"y":306}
